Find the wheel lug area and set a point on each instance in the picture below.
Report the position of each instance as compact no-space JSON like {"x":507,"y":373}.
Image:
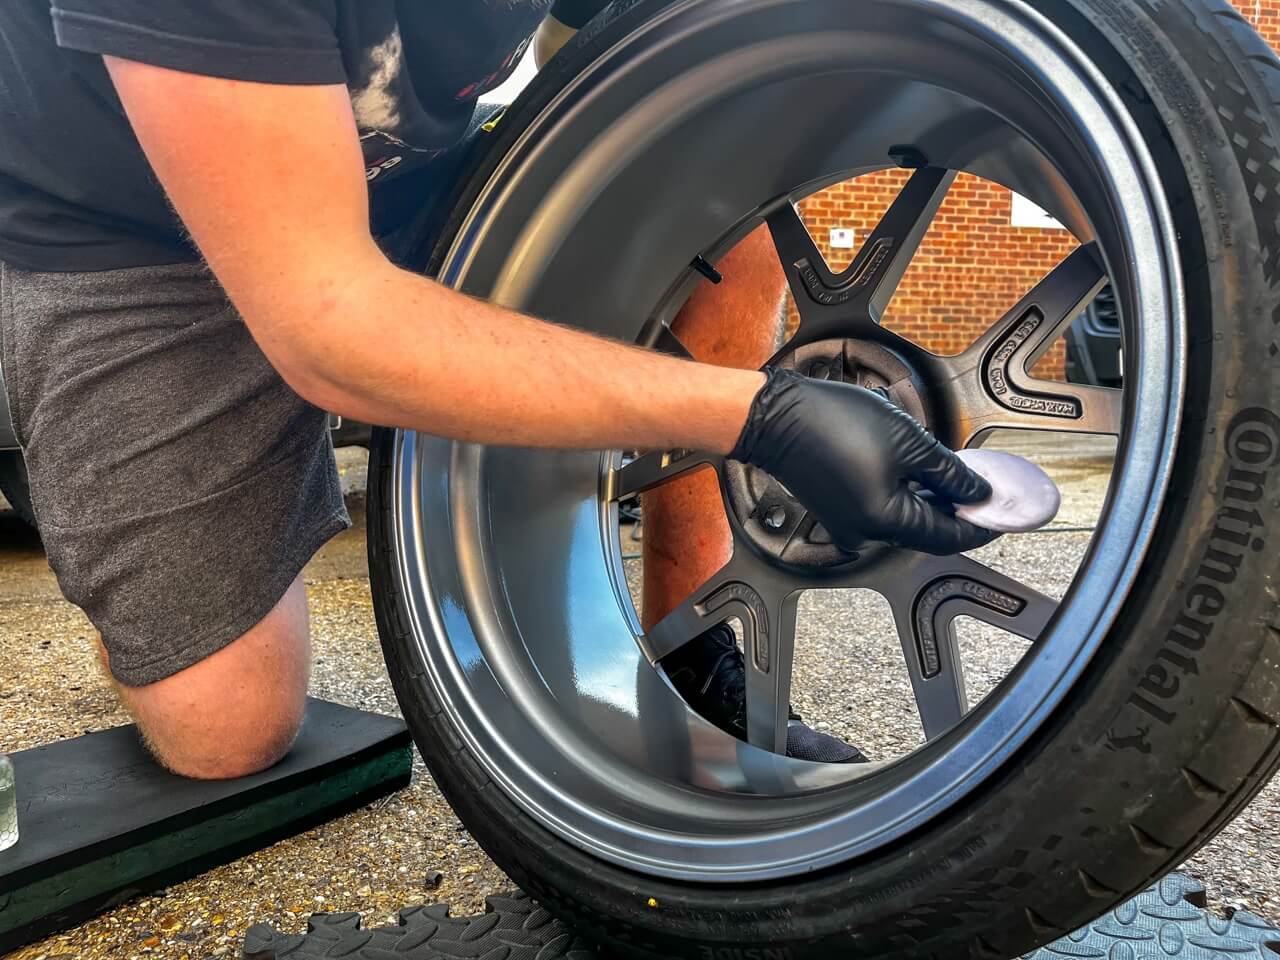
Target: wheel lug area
{"x":768,"y":514}
{"x":821,"y":369}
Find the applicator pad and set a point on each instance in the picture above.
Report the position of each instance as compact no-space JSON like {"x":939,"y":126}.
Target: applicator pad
{"x":1023,"y":497}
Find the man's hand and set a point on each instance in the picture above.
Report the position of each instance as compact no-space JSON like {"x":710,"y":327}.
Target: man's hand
{"x":849,"y":455}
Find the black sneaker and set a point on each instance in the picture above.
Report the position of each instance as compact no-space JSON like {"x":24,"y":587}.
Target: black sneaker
{"x":711,"y":674}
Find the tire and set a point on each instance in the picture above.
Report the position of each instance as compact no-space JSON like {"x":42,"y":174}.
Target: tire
{"x":15,"y":486}
{"x":1172,"y":725}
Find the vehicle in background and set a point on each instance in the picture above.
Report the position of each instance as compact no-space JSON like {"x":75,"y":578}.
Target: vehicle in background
{"x":1093,"y":344}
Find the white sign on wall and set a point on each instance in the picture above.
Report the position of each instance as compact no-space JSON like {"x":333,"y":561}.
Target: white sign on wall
{"x":1027,"y":214}
{"x":842,"y":238}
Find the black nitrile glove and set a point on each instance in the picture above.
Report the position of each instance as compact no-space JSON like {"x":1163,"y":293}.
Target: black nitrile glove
{"x":848,"y":455}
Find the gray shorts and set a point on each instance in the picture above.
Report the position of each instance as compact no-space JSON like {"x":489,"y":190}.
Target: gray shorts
{"x":179,"y":483}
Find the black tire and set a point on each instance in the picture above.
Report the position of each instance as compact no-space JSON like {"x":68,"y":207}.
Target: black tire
{"x":1162,"y":742}
{"x":15,"y":486}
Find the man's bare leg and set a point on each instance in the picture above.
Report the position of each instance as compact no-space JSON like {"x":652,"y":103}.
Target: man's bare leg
{"x":237,"y":711}
{"x":737,"y":323}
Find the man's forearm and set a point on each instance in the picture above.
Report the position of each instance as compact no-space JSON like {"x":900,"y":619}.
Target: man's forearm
{"x":401,"y":350}
{"x":349,"y":331}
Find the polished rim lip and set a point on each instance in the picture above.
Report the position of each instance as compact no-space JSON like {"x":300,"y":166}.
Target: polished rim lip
{"x":1106,"y":574}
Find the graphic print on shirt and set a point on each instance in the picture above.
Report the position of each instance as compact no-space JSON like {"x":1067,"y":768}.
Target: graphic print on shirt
{"x":77,"y":194}
{"x":377,"y":102}
{"x":380,"y":104}
{"x":395,"y":134}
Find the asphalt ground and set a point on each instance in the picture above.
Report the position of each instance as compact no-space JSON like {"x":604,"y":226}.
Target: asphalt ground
{"x":410,"y":848}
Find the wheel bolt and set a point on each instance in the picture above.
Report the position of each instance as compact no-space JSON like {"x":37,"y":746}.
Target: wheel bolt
{"x":775,"y":517}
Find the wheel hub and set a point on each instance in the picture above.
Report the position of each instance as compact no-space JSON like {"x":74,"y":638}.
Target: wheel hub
{"x":769,"y":514}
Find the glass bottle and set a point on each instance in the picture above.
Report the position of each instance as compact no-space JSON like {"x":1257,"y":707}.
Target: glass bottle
{"x":8,"y":805}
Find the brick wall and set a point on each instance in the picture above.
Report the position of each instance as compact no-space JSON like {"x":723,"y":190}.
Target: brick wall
{"x":973,"y":265}
{"x":971,"y":268}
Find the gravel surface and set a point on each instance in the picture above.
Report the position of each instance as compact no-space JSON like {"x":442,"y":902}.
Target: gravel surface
{"x":373,"y":861}
{"x":387,"y":856}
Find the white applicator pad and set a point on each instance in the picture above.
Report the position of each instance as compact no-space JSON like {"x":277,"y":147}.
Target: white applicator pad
{"x":1023,"y":497}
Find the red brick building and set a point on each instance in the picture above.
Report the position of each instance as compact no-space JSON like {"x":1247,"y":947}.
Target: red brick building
{"x":973,"y":265}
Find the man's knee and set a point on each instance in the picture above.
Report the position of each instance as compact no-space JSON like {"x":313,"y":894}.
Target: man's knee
{"x":232,"y":743}
{"x":238,"y":711}
{"x":226,"y":752}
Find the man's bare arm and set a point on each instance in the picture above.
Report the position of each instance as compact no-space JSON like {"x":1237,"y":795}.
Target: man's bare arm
{"x":270,"y":182}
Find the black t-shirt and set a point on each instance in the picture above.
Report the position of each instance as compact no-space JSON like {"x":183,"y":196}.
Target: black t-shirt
{"x":76,"y":192}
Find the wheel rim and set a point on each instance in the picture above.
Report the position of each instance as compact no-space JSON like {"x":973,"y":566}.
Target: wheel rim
{"x":507,"y":560}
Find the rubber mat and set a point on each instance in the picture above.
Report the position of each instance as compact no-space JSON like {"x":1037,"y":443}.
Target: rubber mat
{"x":100,"y":822}
{"x":513,"y":927}
{"x":1167,"y":921}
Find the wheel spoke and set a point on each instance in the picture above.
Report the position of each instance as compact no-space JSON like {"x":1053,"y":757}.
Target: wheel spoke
{"x":895,"y":240}
{"x":927,"y":595}
{"x":845,"y":303}
{"x":763,"y":600}
{"x":651,"y":469}
{"x":797,"y":251}
{"x":1100,"y":410}
{"x":770,"y":653}
{"x":990,"y":384}
{"x":940,"y":693}
{"x":976,"y":590}
{"x":1029,"y":329}
{"x":711,"y":604}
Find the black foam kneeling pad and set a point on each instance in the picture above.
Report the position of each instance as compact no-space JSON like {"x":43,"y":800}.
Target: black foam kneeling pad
{"x":100,"y":822}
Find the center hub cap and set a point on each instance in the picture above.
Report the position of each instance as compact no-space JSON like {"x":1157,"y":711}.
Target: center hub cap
{"x":770,"y":516}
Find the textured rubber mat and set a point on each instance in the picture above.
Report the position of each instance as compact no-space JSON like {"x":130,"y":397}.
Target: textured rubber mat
{"x":512,"y":928}
{"x":1169,"y":920}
